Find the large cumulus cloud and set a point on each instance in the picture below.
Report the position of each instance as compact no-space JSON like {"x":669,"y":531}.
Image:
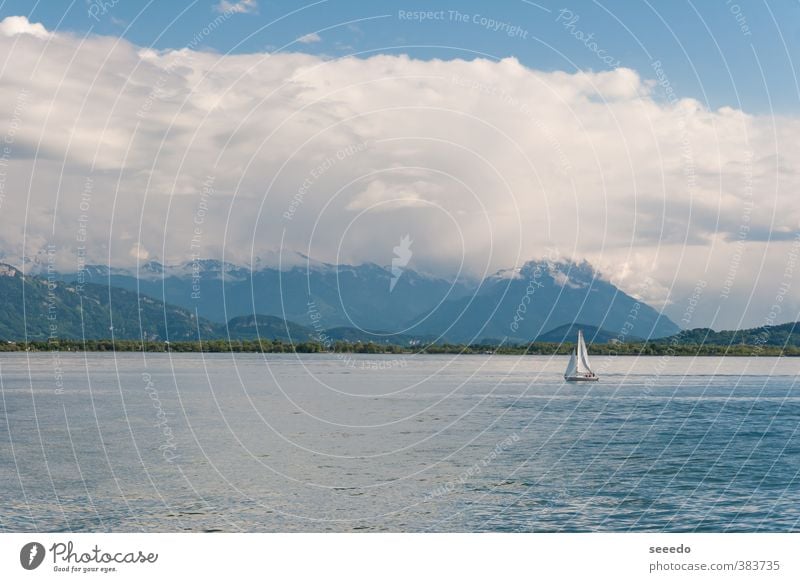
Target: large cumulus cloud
{"x":165,"y":155}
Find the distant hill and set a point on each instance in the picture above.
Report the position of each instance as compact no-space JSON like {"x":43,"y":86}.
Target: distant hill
{"x":264,"y":327}
{"x":568,"y":333}
{"x":787,"y":334}
{"x":59,"y":310}
{"x":351,"y":334}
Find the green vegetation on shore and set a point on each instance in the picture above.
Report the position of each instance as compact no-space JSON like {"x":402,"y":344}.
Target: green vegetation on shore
{"x":310,"y":347}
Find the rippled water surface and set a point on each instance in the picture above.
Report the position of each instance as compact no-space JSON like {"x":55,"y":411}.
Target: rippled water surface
{"x":191,"y":442}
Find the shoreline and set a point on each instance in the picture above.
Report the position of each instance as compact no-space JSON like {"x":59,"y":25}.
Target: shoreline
{"x":656,"y":349}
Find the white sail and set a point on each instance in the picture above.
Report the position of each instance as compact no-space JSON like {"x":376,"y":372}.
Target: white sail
{"x":583,"y":355}
{"x":578,"y":367}
{"x":572,"y":367}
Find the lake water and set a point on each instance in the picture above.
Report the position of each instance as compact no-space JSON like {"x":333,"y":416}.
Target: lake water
{"x":192,"y":442}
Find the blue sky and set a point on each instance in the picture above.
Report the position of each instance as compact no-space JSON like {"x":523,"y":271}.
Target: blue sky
{"x":722,"y":52}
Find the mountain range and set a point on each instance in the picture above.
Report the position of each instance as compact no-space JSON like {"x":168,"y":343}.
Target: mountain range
{"x":545,"y":302}
{"x":36,"y":308}
{"x":361,"y":301}
{"x":339,"y":295}
{"x":524,"y":303}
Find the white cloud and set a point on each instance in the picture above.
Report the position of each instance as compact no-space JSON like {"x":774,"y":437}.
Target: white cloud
{"x":380,"y":196}
{"x":240,"y":7}
{"x":14,"y":25}
{"x":482,"y":163}
{"x":138,"y":252}
{"x":309,"y":38}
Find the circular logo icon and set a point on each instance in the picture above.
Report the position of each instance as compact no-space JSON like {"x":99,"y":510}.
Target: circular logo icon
{"x":31,"y":555}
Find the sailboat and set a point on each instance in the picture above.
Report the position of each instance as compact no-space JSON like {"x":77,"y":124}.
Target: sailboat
{"x":578,"y":369}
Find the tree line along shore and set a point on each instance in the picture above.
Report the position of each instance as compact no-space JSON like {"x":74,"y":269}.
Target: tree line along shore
{"x":266,"y":346}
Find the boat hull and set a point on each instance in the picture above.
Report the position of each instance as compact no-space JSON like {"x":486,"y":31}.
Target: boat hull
{"x":581,"y":378}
